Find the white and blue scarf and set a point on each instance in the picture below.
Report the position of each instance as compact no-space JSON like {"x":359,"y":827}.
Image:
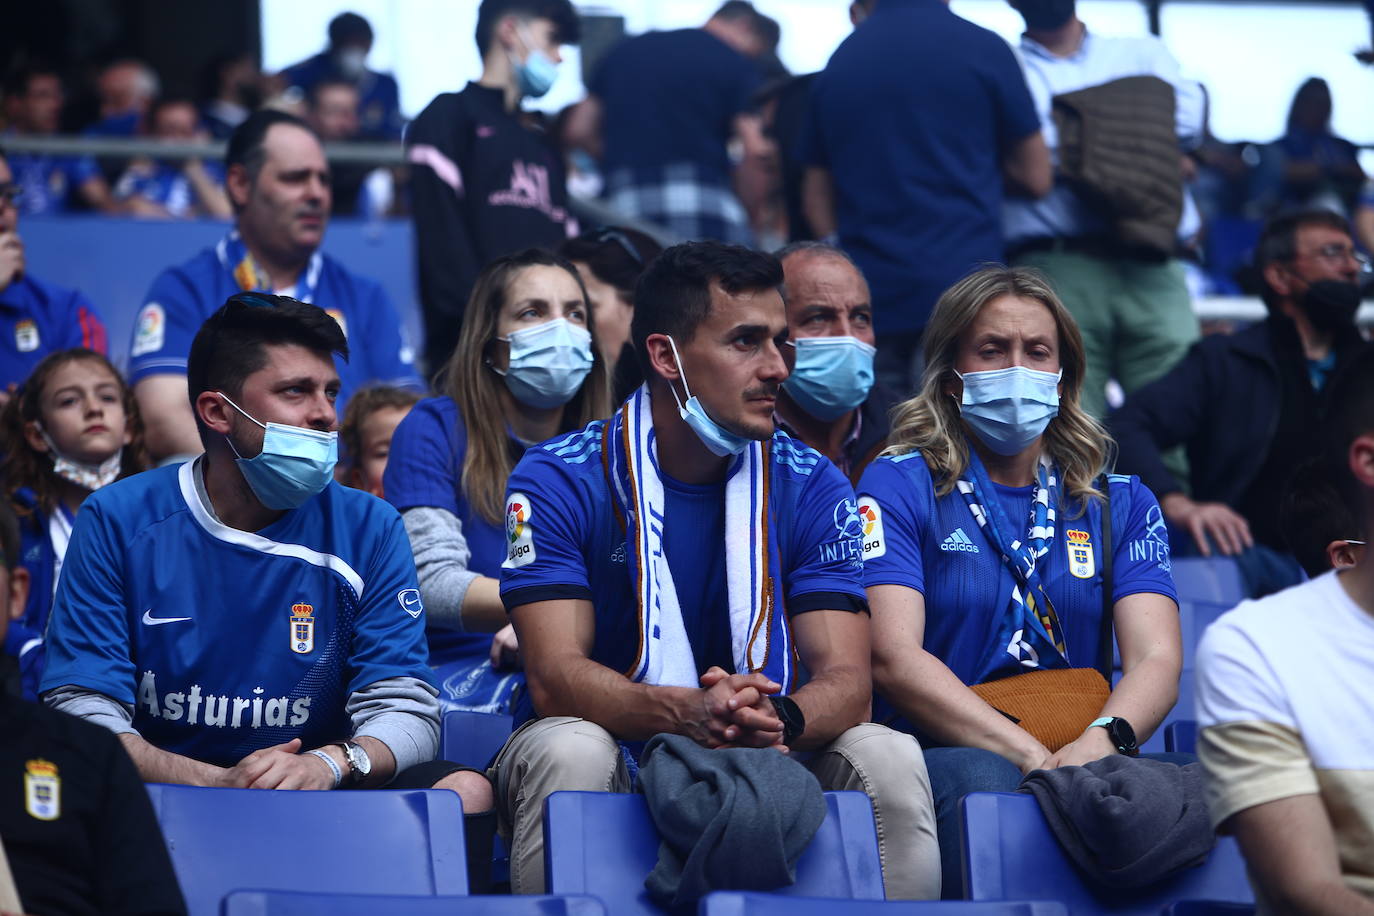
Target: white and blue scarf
{"x":761,"y":639}
{"x":1030,"y":631}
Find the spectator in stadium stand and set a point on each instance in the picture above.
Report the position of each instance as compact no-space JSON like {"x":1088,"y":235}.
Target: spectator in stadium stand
{"x":610,"y":260}
{"x":525,"y":370}
{"x":1323,"y":530}
{"x":1309,"y":167}
{"x":1284,"y":725}
{"x":81,"y":835}
{"x":789,"y":124}
{"x":50,"y":184}
{"x":366,"y":432}
{"x":1129,"y":299}
{"x":485,"y":182}
{"x":278,"y":184}
{"x":894,"y":168}
{"x":179,"y":189}
{"x":984,"y":558}
{"x":708,"y":328}
{"x":36,"y":318}
{"x":1249,"y":407}
{"x":233,"y":90}
{"x":357,"y":187}
{"x":829,"y":400}
{"x":242,"y":620}
{"x":379,"y":99}
{"x":664,"y":107}
{"x":127,"y":90}
{"x":72,"y":429}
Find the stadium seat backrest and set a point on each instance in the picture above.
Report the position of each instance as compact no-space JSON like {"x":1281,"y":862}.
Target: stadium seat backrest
{"x":1181,"y":736}
{"x":291,"y":903}
{"x":605,"y":844}
{"x":378,"y":841}
{"x":473,"y":738}
{"x":734,"y":903}
{"x":1009,"y":853}
{"x":1214,"y":580}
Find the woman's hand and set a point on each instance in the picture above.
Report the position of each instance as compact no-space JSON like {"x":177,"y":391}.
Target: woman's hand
{"x":1093,"y":744}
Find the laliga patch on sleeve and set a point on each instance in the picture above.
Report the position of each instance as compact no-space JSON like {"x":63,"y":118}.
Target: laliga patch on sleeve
{"x":151,"y":330}
{"x":871,"y":517}
{"x":519,"y":534}
{"x":409,"y":599}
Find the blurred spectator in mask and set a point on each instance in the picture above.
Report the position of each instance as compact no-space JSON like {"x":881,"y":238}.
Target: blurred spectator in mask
{"x":1309,"y":166}
{"x":127,"y":89}
{"x":1249,"y":407}
{"x":174,"y":189}
{"x":609,"y":260}
{"x":829,"y":401}
{"x":358,"y":187}
{"x":379,"y":101}
{"x":485,"y":181}
{"x":663,"y":110}
{"x":48,"y":183}
{"x":233,"y":91}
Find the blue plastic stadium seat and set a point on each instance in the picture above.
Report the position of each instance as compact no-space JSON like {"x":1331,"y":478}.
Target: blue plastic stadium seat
{"x":373,"y":842}
{"x":1181,"y":736}
{"x":604,"y":843}
{"x":1009,"y":853}
{"x":734,"y":903}
{"x":1214,"y":580}
{"x":473,"y":738}
{"x":290,"y":903}
{"x":1207,"y":908}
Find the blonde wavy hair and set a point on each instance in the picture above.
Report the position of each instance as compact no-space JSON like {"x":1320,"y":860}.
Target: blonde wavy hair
{"x":930,"y":421}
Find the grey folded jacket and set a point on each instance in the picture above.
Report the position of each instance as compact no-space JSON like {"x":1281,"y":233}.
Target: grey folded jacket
{"x":1126,"y":821}
{"x":733,"y":818}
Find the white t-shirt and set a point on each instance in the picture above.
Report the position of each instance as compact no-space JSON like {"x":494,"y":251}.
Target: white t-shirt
{"x":1285,"y":706}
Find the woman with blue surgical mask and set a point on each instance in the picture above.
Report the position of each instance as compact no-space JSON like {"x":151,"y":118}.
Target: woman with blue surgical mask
{"x":999,"y":560}
{"x":526,"y":368}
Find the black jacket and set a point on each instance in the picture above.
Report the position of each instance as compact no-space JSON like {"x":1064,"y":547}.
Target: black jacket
{"x":484,"y":183}
{"x":1221,"y":402}
{"x":78,"y":827}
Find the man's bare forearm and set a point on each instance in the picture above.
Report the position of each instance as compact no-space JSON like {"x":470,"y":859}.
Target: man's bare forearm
{"x":157,"y":765}
{"x":628,"y":710}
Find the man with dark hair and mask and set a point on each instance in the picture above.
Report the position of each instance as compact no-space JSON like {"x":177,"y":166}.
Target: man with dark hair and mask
{"x":486,"y":180}
{"x":1249,"y":406}
{"x":345,"y":60}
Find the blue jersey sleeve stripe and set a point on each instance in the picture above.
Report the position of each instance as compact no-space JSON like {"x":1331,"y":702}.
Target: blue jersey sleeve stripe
{"x":217,"y":529}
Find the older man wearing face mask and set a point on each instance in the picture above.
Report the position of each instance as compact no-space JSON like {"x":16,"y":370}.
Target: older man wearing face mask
{"x":829,"y":401}
{"x":1249,"y":406}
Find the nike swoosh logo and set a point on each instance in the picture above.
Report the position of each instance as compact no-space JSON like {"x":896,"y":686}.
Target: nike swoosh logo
{"x":152,"y":621}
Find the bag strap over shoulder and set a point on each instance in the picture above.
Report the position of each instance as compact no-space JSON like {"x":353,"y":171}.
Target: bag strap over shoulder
{"x":1104,"y":642}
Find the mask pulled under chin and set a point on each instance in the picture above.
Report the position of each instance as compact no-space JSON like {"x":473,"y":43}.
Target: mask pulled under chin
{"x":1331,"y":304}
{"x":87,"y":476}
{"x":718,"y":440}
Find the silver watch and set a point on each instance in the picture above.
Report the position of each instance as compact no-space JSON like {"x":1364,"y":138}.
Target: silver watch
{"x":359,"y":764}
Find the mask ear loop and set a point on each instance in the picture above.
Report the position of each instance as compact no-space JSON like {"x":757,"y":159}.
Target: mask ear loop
{"x":680,"y":371}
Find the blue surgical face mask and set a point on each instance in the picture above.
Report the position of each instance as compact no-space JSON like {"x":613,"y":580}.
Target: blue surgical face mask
{"x":1009,"y":408}
{"x":719,"y":440}
{"x":548,"y":363}
{"x":295,"y":463}
{"x":538,"y":71}
{"x":832,"y":376}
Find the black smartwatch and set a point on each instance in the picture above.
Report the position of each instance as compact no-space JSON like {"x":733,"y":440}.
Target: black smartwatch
{"x":793,"y":722}
{"x":1120,"y":733}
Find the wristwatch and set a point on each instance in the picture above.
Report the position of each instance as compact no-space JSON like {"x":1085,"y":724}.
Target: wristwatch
{"x":793,"y":722}
{"x":1120,"y":733}
{"x":359,"y":764}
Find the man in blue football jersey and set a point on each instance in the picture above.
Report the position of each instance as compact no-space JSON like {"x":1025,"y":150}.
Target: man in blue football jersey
{"x":278,"y":184}
{"x":672,"y":568}
{"x":241,"y":619}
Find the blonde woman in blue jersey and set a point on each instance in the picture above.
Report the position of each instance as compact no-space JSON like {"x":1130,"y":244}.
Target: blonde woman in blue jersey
{"x":985,"y":554}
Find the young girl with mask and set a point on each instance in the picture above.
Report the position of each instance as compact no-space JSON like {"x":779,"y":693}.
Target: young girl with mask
{"x":997,"y":557}
{"x":526,"y":368}
{"x":71,"y":429}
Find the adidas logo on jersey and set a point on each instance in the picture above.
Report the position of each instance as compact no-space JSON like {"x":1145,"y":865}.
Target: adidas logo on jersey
{"x":959,"y":542}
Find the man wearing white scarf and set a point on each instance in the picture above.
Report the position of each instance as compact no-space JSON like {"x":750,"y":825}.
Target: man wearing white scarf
{"x":685,"y":568}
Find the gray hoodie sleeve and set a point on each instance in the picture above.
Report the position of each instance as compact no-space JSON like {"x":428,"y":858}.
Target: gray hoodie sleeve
{"x":400,"y":712}
{"x":93,"y":707}
{"x":441,"y":560}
